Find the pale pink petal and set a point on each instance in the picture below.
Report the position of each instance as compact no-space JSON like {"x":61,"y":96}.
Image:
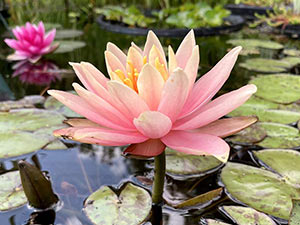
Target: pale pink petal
{"x":215,"y":109}
{"x":92,"y":71}
{"x":102,"y":136}
{"x":153,"y":124}
{"x":79,"y":122}
{"x":128,"y":97}
{"x":149,"y":148}
{"x":117,"y":52}
{"x":49,"y":37}
{"x":185,"y":49}
{"x":135,"y":58}
{"x":103,"y":108}
{"x":137,"y":48}
{"x":113,"y":63}
{"x":78,"y":105}
{"x":172,"y":60}
{"x":157,"y":60}
{"x":150,"y":85}
{"x":226,"y":127}
{"x":191,"y":69}
{"x":197,"y":144}
{"x":210,"y":83}
{"x":174,"y":94}
{"x":153,"y":40}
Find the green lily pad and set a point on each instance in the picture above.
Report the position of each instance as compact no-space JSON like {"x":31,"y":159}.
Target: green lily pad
{"x":246,"y":215}
{"x":259,"y":188}
{"x":264,"y":65}
{"x":280,"y":142}
{"x":11,"y":191}
{"x":52,"y":104}
{"x":26,"y":102}
{"x":55,"y":145}
{"x":293,"y":61}
{"x":284,"y":161}
{"x":184,"y":164}
{"x":279,"y":88}
{"x":69,"y":46}
{"x":213,"y":222}
{"x":295,"y":213}
{"x":291,"y":52}
{"x":132,"y":206}
{"x":256,"y":43}
{"x":49,"y":26}
{"x":67,"y":33}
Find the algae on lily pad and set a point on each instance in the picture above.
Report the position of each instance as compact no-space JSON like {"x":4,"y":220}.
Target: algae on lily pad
{"x":246,"y":215}
{"x":178,"y":163}
{"x":131,"y":206}
{"x":11,"y":191}
{"x":259,"y":188}
{"x":279,"y":88}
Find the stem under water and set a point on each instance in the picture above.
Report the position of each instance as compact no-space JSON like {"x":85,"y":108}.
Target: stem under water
{"x":159,"y":178}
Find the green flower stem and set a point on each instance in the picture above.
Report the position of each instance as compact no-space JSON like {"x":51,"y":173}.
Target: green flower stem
{"x":159,"y":178}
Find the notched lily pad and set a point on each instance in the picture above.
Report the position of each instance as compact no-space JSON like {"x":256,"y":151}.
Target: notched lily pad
{"x":11,"y":191}
{"x":279,"y":88}
{"x":69,"y":46}
{"x":246,"y":215}
{"x":184,"y":164}
{"x":259,"y":188}
{"x":132,"y":206}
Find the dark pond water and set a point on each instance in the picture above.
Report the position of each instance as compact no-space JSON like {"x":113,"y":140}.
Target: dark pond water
{"x":83,"y":168}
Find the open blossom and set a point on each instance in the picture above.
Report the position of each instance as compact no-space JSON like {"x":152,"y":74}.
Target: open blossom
{"x":150,"y":104}
{"x":32,"y":42}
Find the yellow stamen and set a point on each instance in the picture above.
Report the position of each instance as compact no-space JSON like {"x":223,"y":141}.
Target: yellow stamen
{"x":129,"y":83}
{"x":145,"y":60}
{"x":161,"y":68}
{"x":120,"y":74}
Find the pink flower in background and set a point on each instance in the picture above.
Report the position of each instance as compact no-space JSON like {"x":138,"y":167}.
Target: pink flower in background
{"x":150,"y":104}
{"x":31,"y":43}
{"x":40,"y":73}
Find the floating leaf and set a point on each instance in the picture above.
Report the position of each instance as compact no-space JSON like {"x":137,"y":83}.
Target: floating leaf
{"x":295,"y":213}
{"x":264,"y":65}
{"x":49,"y":26}
{"x":26,"y":102}
{"x":69,"y":46}
{"x":184,"y":164}
{"x":246,"y":215}
{"x":214,"y":222}
{"x":61,"y":34}
{"x":132,"y":206}
{"x":259,"y":188}
{"x":56,"y":144}
{"x":202,"y":199}
{"x":11,"y":191}
{"x":280,"y":88}
{"x":293,"y":61}
{"x":280,"y":142}
{"x":291,"y":52}
{"x":256,"y":43}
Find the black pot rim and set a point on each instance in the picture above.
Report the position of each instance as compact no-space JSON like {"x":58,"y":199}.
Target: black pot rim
{"x":237,"y":23}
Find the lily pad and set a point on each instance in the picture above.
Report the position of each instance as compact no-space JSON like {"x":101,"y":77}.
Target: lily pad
{"x":213,"y":222}
{"x":295,"y":213}
{"x":26,"y":102}
{"x":131,"y":206}
{"x":264,"y":65}
{"x":69,"y":46}
{"x":256,"y":43}
{"x":11,"y":191}
{"x":293,"y":61}
{"x":279,"y":88}
{"x":285,"y":162}
{"x":246,"y":215}
{"x":52,"y":104}
{"x":259,"y":188}
{"x":291,"y":52}
{"x":68,"y":33}
{"x":184,"y":164}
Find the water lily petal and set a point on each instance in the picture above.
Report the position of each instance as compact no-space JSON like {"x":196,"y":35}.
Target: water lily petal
{"x":150,"y":85}
{"x":185,"y":49}
{"x":153,"y":124}
{"x":153,"y":40}
{"x":149,"y":148}
{"x":106,"y":110}
{"x":49,"y":37}
{"x":174,"y":94}
{"x":41,"y":29}
{"x":136,"y":47}
{"x":210,"y":83}
{"x":113,"y":63}
{"x":172,"y":60}
{"x":13,"y":44}
{"x":101,"y":136}
{"x":134,"y":104}
{"x":135,"y":58}
{"x":79,"y":122}
{"x":226,"y":127}
{"x":117,"y":52}
{"x":191,"y":69}
{"x":92,"y":71}
{"x":215,"y":109}
{"x":197,"y":144}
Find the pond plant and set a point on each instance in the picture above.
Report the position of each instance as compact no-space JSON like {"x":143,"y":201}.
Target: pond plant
{"x":150,"y":104}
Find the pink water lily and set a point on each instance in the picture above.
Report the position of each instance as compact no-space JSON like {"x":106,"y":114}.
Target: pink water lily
{"x":32,"y":42}
{"x":150,"y":104}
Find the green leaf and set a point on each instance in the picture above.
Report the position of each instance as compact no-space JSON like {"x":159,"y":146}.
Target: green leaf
{"x":259,"y":188}
{"x":26,"y":102}
{"x":184,"y":164}
{"x":11,"y":191}
{"x":295,"y":213}
{"x":214,"y":222}
{"x":256,"y":43}
{"x":245,"y":215}
{"x":264,"y":65}
{"x":279,"y":88}
{"x":62,"y":34}
{"x":132,"y":206}
{"x":69,"y":46}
